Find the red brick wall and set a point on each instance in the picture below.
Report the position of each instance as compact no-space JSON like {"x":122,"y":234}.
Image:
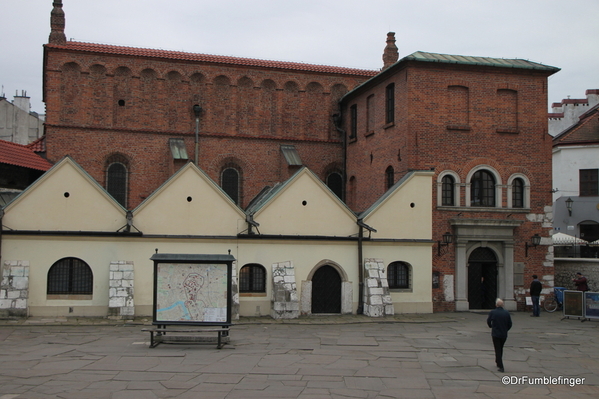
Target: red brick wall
{"x":98,"y":104}
{"x":431,"y":131}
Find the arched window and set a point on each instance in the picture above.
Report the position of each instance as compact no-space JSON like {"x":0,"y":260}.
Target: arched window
{"x":230,"y":183}
{"x":482,"y":189}
{"x":518,"y":193}
{"x":398,"y":275}
{"x":335,"y":183}
{"x":116,"y":182}
{"x":448,"y":191}
{"x":252,"y":278}
{"x":390,"y":103}
{"x":70,"y":276}
{"x":389,"y":177}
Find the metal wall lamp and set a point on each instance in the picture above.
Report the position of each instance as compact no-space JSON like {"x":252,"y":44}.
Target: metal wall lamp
{"x":447,"y":239}
{"x":569,"y":203}
{"x":535,"y":240}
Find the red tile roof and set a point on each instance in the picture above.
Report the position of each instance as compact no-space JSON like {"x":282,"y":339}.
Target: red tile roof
{"x":20,"y":155}
{"x":214,"y":59}
{"x":38,"y":145}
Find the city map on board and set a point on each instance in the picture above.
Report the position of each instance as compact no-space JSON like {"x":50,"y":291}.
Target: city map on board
{"x":191,"y":292}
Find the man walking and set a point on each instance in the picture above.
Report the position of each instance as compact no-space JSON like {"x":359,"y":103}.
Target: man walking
{"x":500,"y":322}
{"x":535,"y":292}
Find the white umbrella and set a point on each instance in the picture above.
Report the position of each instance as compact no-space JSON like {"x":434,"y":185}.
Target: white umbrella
{"x":565,"y":239}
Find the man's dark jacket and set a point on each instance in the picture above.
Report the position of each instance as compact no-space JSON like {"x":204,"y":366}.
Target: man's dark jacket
{"x":535,"y":288}
{"x":500,"y":322}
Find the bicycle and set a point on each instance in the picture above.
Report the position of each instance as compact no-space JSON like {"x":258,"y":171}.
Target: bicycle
{"x":555,"y":300}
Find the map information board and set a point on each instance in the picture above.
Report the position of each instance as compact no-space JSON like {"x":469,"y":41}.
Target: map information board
{"x":188,"y":292}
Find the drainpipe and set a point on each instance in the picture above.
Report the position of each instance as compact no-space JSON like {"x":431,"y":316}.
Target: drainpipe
{"x":361,"y":226}
{"x":196,"y":110}
{"x":337,"y":123}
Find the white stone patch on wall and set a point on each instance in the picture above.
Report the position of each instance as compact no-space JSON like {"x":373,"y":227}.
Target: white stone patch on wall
{"x":14,"y":288}
{"x":234,"y":293}
{"x":377,"y":299}
{"x":121,"y":289}
{"x":448,"y":287}
{"x":285,"y":300}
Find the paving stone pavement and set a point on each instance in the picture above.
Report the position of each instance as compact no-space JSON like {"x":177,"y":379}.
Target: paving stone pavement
{"x":441,"y":355}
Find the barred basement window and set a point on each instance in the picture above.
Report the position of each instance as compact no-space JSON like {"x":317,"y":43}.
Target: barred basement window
{"x":398,"y":275}
{"x":252,"y":278}
{"x":70,"y":276}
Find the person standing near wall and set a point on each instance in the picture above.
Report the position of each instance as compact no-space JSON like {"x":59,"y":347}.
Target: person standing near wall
{"x":535,"y":293}
{"x":499,"y":321}
{"x":581,"y":282}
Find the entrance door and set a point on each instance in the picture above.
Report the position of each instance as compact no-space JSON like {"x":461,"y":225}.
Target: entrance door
{"x":326,"y":290}
{"x":482,"y":279}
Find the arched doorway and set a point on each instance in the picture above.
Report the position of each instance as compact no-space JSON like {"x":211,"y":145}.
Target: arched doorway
{"x":482,"y":279}
{"x":326,"y":290}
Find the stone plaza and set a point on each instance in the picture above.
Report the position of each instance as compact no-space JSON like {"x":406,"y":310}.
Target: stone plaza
{"x":440,"y":355}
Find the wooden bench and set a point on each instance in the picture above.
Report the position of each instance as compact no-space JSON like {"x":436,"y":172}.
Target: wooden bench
{"x":158,"y":334}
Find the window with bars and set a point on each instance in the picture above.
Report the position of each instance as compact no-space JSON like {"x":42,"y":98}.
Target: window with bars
{"x":398,"y":275}
{"x":116,"y":182}
{"x":448,"y":193}
{"x":70,"y":276}
{"x":518,"y":193}
{"x":589,"y":182}
{"x":482,"y":189}
{"x":252,"y":278}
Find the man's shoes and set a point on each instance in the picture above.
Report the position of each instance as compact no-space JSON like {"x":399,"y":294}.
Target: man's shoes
{"x":500,"y":369}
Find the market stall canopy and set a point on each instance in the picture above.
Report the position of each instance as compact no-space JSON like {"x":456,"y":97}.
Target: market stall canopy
{"x":566,"y":239}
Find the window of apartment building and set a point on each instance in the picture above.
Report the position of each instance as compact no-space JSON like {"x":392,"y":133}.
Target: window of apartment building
{"x":398,"y":275}
{"x":70,"y":276}
{"x":390,"y":103}
{"x":252,"y":278}
{"x":448,"y":191}
{"x":353,"y":121}
{"x":482,"y":189}
{"x":589,"y":182}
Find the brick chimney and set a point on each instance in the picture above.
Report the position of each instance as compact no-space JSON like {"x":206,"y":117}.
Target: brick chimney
{"x":390,"y":55}
{"x":57,"y":24}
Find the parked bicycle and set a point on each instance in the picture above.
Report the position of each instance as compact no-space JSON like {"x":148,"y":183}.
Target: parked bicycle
{"x":555,"y":300}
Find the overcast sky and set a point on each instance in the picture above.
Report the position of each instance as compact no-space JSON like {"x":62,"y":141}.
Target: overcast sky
{"x":347,"y":33}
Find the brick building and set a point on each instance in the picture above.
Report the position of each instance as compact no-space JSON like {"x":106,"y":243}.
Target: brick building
{"x":126,"y":115}
{"x":480,"y":123}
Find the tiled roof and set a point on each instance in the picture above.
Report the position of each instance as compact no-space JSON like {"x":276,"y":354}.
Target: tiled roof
{"x":584,"y":132}
{"x":213,"y":59}
{"x":20,"y":155}
{"x":38,"y":145}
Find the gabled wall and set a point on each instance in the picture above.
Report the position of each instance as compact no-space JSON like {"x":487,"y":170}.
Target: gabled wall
{"x":65,"y":199}
{"x":189,"y":203}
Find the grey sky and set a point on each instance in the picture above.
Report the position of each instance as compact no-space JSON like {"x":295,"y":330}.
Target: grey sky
{"x":347,"y":33}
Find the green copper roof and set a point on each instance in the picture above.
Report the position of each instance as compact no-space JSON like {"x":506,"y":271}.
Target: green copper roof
{"x":483,"y":61}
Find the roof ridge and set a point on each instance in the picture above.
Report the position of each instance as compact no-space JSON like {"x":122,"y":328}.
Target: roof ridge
{"x":202,"y":57}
